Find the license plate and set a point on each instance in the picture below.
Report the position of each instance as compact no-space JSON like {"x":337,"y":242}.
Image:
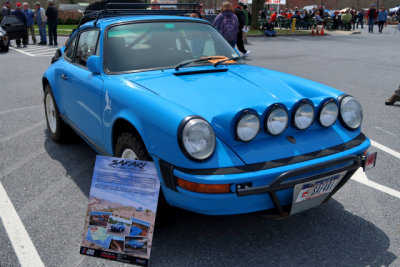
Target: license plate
{"x":311,"y":194}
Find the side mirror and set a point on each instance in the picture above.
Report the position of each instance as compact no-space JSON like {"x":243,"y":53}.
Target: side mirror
{"x":93,"y":64}
{"x":57,"y":56}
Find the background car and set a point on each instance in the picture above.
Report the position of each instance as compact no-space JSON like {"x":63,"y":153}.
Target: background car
{"x":119,"y":227}
{"x":225,"y":137}
{"x":11,"y":28}
{"x":135,"y":244}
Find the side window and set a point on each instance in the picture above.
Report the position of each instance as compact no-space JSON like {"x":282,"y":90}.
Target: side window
{"x":69,"y":51}
{"x":86,"y":46}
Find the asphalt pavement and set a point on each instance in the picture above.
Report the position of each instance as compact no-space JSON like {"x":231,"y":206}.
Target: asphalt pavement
{"x":48,"y":184}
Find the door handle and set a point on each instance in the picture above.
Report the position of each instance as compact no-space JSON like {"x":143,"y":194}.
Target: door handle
{"x":64,"y":77}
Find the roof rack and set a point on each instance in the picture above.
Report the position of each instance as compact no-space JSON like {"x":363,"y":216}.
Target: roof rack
{"x":115,"y":9}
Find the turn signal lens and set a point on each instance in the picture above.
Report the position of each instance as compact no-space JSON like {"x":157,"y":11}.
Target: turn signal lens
{"x":203,"y":188}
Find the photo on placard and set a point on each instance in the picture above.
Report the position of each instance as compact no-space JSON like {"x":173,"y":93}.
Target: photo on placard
{"x":139,"y":227}
{"x":117,"y":243}
{"x":136,"y":245}
{"x":99,"y":236}
{"x":118,"y":226}
{"x":99,"y":218}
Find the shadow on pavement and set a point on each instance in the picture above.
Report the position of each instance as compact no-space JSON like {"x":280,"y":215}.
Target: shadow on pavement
{"x":325,"y":236}
{"x":77,"y":158}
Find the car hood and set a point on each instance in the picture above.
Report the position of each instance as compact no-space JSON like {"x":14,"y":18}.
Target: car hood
{"x":220,"y":94}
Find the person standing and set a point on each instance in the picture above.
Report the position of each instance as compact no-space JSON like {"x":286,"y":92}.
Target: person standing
{"x":382,"y":17}
{"x":273,"y":18}
{"x":371,"y":15}
{"x":29,"y":21}
{"x":6,"y":10}
{"x":239,"y":40}
{"x":246,"y":22}
{"x":21,"y":15}
{"x":227,"y":23}
{"x":360,"y":19}
{"x":41,"y":22}
{"x":52,"y":20}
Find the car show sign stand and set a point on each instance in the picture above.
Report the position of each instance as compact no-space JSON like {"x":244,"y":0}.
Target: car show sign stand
{"x":120,"y":218}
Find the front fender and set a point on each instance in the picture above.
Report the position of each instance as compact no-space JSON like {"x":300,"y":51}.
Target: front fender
{"x":156,"y":119}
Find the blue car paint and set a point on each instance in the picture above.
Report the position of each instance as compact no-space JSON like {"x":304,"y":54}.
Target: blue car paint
{"x":118,"y":227}
{"x":135,"y":231}
{"x":135,"y":244}
{"x":141,"y":97}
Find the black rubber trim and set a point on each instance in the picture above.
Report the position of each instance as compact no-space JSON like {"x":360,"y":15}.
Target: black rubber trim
{"x":281,"y":183}
{"x":167,"y":174}
{"x":199,"y":72}
{"x":278,"y":163}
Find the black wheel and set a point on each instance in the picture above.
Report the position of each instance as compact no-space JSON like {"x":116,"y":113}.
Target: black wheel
{"x":130,"y":147}
{"x":4,"y":47}
{"x":57,"y":127}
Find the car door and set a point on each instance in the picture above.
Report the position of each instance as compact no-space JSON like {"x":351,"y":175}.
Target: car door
{"x":13,"y":26}
{"x":82,"y":91}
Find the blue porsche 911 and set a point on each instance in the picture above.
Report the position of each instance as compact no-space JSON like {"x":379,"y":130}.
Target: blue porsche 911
{"x":226,"y":137}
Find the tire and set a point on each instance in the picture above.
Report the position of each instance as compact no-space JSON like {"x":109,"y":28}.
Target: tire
{"x":130,"y":147}
{"x":3,"y":47}
{"x":58,"y":129}
{"x":127,"y":143}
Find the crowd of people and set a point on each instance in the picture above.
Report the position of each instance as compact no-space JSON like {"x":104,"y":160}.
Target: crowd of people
{"x":42,"y":17}
{"x":336,"y":20}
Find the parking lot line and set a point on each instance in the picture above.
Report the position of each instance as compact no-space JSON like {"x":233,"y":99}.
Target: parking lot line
{"x":35,"y":49}
{"x":39,"y":51}
{"x":23,"y":52}
{"x":22,"y":131}
{"x":19,"y":109}
{"x":20,"y":240}
{"x":360,"y":177}
{"x":386,"y":149}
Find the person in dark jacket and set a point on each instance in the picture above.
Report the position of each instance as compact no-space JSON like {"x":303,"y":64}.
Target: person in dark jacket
{"x":21,"y":15}
{"x":360,"y":19}
{"x":6,"y":11}
{"x":371,"y":15}
{"x":239,"y":41}
{"x":227,"y":23}
{"x":52,"y":17}
{"x":269,"y":29}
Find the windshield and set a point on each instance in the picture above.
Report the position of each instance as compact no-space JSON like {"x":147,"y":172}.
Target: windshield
{"x":157,"y":45}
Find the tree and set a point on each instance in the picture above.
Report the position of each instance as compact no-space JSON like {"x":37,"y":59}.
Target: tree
{"x":256,"y":7}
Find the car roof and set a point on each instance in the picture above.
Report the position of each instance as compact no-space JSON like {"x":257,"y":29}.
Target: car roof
{"x":105,"y":22}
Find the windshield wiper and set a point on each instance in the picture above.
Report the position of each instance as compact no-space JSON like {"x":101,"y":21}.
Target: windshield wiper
{"x":225,"y":60}
{"x":187,"y":62}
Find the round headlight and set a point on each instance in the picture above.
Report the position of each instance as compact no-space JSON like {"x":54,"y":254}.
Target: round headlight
{"x":198,"y":138}
{"x":328,"y":113}
{"x":351,"y":112}
{"x":247,"y":127}
{"x":276,"y":120}
{"x":304,"y":116}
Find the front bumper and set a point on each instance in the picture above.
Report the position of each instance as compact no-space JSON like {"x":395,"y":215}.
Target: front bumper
{"x":264,"y":189}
